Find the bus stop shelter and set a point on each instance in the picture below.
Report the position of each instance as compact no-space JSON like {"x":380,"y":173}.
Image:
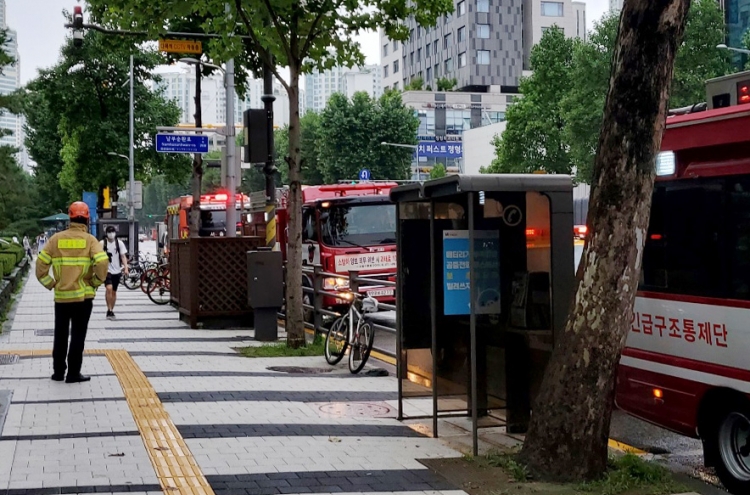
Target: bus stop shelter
{"x":485,"y":279}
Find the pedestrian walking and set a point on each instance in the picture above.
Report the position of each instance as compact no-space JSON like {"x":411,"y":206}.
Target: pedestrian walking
{"x":27,"y":247}
{"x":118,"y":263}
{"x":80,"y":266}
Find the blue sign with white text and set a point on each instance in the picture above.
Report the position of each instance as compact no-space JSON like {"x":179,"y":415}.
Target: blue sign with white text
{"x":90,"y":198}
{"x":445,"y":149}
{"x":456,"y":272}
{"x":364,"y":174}
{"x":175,"y":143}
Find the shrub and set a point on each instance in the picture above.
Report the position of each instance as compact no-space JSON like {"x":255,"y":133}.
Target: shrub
{"x":7,"y":262}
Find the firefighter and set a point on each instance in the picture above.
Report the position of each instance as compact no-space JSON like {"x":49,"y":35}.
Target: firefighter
{"x":79,"y":266}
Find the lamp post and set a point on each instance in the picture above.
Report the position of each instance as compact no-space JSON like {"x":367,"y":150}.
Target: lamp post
{"x":410,"y":146}
{"x":722,"y":46}
{"x":231,"y":145}
{"x":131,"y":188}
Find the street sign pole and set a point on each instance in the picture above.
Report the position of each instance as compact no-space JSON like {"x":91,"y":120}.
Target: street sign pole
{"x":231,"y":169}
{"x":131,"y":163}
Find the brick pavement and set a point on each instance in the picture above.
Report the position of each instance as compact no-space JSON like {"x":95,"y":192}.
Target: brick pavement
{"x":219,"y":422}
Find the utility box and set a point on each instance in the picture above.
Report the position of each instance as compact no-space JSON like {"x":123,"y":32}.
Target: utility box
{"x":265,"y":291}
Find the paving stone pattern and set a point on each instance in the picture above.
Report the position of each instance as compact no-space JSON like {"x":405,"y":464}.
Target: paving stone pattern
{"x":250,"y":430}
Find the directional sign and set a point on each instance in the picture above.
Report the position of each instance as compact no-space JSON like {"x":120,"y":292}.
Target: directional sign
{"x":181,"y":143}
{"x":364,"y":174}
{"x":180,"y":46}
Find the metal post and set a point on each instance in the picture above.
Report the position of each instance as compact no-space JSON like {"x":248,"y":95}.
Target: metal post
{"x":268,"y":99}
{"x":317,"y":299}
{"x":433,"y":319}
{"x":419,"y":175}
{"x":231,"y":165}
{"x":473,"y":327}
{"x":131,"y":166}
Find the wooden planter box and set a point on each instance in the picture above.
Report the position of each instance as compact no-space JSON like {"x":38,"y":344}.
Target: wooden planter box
{"x":209,"y":280}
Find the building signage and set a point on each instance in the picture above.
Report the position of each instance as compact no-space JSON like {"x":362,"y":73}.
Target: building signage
{"x":456,"y":285}
{"x":440,"y":139}
{"x":181,"y":143}
{"x":456,"y":106}
{"x":366,"y":261}
{"x":434,"y":149}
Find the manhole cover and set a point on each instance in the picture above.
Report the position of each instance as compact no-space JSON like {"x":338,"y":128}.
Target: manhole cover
{"x":299,"y":370}
{"x":356,"y":409}
{"x":8,"y":358}
{"x":47,"y":332}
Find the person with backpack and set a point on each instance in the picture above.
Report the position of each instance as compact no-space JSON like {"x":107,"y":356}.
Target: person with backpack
{"x":118,"y":263}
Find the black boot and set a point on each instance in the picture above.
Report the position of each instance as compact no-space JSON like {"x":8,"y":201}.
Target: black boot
{"x":77,"y":378}
{"x":58,"y":377}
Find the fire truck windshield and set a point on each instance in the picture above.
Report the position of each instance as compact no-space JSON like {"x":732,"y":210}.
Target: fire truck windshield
{"x":359,"y":225}
{"x":213,"y":221}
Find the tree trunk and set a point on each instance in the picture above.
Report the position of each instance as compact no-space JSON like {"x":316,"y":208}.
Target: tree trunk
{"x":195,"y":182}
{"x":567,"y":437}
{"x":295,"y":325}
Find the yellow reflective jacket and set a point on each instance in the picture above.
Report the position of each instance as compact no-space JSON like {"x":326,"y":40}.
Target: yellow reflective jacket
{"x":79,"y":265}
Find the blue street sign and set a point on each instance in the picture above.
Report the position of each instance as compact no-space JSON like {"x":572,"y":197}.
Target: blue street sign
{"x":435,"y":149}
{"x":364,"y":174}
{"x":90,"y":198}
{"x":176,"y":143}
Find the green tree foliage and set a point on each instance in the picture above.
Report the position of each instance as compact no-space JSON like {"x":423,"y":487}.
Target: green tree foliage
{"x":534,"y":138}
{"x":446,"y":84}
{"x":78,"y":111}
{"x":438,"y":171}
{"x":156,"y":196}
{"x":416,"y":84}
{"x":581,"y":98}
{"x":351,"y":133}
{"x":310,"y":134}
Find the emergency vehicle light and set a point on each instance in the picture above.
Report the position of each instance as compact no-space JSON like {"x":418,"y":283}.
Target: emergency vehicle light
{"x":220,"y":197}
{"x":665,"y":163}
{"x":658,"y":393}
{"x":743,"y":92}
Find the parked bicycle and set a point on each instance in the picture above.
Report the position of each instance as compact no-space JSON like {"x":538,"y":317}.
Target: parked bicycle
{"x":352,"y":332}
{"x":158,"y":290}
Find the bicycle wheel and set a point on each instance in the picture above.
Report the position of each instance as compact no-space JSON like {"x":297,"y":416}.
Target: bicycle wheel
{"x":158,"y":291}
{"x":132,"y":280}
{"x":336,"y":340}
{"x":147,"y":277}
{"x":364,"y":337}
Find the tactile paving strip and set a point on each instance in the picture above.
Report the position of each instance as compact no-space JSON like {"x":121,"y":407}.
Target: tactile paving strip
{"x":177,"y":470}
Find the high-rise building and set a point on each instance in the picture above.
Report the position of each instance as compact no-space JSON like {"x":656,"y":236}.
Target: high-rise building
{"x":484,"y":44}
{"x":319,"y":86}
{"x":737,"y":16}
{"x":178,"y":84}
{"x":10,"y":80}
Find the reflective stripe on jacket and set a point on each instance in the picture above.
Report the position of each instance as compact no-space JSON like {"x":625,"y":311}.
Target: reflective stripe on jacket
{"x":79,"y":265}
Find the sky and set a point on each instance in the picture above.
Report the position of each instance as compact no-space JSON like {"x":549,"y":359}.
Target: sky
{"x":39,"y":24}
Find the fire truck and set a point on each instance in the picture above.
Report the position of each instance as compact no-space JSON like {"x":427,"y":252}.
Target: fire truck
{"x":213,"y":210}
{"x":685,"y":366}
{"x":346,"y":227}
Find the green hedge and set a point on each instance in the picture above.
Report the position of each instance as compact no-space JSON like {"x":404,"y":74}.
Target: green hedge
{"x":7,"y":262}
{"x":9,"y":234}
{"x":14,"y":249}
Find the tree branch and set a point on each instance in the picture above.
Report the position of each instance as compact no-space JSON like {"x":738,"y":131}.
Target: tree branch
{"x":312,"y":34}
{"x":275,"y":22}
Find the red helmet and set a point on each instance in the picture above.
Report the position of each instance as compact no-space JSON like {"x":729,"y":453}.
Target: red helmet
{"x":79,"y":209}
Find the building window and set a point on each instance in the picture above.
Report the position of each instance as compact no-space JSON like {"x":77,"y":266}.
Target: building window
{"x":462,"y":59}
{"x":461,"y":34}
{"x":411,"y":58}
{"x":545,"y":29}
{"x":419,"y":55}
{"x":483,"y":57}
{"x":461,"y":8}
{"x":429,"y":73}
{"x":448,"y":40}
{"x":483,"y":31}
{"x":419,"y":31}
{"x":395,"y":66}
{"x":427,"y":50}
{"x":448,"y":66}
{"x":437,"y":70}
{"x":385,"y":71}
{"x":395,"y":85}
{"x":552,"y":9}
{"x":395,"y":47}
{"x":385,"y":50}
{"x":411,"y":35}
{"x":483,"y":5}
{"x":435,"y":47}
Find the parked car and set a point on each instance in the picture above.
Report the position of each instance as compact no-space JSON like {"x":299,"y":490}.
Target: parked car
{"x":142,"y":237}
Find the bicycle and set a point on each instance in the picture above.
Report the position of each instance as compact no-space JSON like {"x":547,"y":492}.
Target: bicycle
{"x":161,"y":270}
{"x":159,"y":290}
{"x":136,"y":268}
{"x":352,"y":332}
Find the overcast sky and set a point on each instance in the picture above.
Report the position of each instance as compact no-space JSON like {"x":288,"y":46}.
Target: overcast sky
{"x":41,"y":33}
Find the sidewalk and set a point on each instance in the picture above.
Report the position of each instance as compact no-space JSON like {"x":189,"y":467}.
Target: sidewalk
{"x":174,"y":410}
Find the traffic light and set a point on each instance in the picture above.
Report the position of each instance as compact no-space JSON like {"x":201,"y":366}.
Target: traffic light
{"x":255,"y":136}
{"x":77,"y":26}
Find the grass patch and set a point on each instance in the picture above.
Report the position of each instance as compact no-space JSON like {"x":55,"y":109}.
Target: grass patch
{"x":506,"y":460}
{"x":631,"y":474}
{"x":280,"y":349}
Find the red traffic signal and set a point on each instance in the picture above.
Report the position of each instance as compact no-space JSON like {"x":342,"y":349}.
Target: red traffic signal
{"x":77,"y":26}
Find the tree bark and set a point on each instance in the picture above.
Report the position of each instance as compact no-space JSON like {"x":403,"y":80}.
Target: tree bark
{"x":567,"y":437}
{"x":197,"y":178}
{"x":295,"y":325}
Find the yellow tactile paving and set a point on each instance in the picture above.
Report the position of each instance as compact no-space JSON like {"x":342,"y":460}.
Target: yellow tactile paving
{"x":175,"y":467}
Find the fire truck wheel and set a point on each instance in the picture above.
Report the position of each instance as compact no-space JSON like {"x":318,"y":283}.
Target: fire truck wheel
{"x":728,"y":443}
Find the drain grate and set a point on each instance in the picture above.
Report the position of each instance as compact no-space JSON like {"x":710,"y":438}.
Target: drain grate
{"x":47,"y":332}
{"x":299,"y":370}
{"x":9,"y":358}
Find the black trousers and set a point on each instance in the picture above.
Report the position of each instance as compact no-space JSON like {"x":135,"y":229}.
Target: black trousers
{"x":71,"y":319}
